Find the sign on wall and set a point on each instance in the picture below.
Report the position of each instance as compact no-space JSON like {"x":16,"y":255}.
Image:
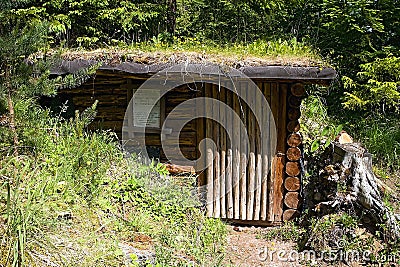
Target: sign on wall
{"x":142,"y":102}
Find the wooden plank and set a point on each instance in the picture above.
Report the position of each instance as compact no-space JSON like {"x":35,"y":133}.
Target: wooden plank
{"x":200,"y":126}
{"x":217,"y":177}
{"x":222,"y":136}
{"x":278,"y":187}
{"x":271,"y":190}
{"x":251,"y":132}
{"x":188,"y":152}
{"x":243,"y":154}
{"x":236,"y":158}
{"x":210,"y":158}
{"x":229,"y":167}
{"x":258,"y":184}
{"x":282,"y":133}
{"x":265,"y":158}
{"x":251,"y":186}
{"x":217,"y":170}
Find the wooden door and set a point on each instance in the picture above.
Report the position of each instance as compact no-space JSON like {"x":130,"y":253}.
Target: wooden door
{"x":242,"y":183}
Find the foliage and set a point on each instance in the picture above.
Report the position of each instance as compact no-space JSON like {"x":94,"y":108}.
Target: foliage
{"x":318,"y":129}
{"x":378,"y":88}
{"x":381,"y":136}
{"x":290,"y":231}
{"x":74,"y":179}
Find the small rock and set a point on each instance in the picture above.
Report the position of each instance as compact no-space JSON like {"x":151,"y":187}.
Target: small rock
{"x":237,"y":229}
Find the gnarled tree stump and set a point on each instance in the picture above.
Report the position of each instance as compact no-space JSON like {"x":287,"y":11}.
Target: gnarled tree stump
{"x":351,"y":171}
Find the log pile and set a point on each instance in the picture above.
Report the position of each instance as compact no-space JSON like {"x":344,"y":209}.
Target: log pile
{"x":347,"y":183}
{"x":293,"y":170}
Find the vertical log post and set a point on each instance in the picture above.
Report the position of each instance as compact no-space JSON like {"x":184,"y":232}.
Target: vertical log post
{"x":258,"y":151}
{"x":229,"y":155}
{"x":243,"y":155}
{"x":210,"y":157}
{"x":236,"y":157}
{"x":222,"y":136}
{"x":252,"y":158}
{"x":217,"y":159}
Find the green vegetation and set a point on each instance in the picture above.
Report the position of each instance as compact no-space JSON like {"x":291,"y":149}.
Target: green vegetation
{"x":70,"y":197}
{"x":75,"y":199}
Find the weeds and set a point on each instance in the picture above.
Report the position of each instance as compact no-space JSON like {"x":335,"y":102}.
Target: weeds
{"x":73,"y":197}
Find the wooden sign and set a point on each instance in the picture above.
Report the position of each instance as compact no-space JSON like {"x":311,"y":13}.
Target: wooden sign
{"x":143,"y":101}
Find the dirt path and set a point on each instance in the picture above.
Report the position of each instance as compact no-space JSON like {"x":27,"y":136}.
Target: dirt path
{"x":246,"y":249}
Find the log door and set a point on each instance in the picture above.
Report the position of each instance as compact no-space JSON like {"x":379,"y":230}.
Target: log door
{"x":243,"y":184}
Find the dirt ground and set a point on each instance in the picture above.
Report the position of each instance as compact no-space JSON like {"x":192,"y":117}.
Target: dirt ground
{"x":246,"y":249}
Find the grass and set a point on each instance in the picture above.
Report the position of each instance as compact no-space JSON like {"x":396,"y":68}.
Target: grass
{"x":261,"y":52}
{"x":381,"y":136}
{"x":72,"y":198}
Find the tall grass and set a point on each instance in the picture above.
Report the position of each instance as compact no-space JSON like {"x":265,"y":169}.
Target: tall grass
{"x":381,"y":136}
{"x":72,"y":197}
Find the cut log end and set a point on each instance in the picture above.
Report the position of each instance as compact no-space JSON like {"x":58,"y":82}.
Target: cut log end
{"x":292,"y":184}
{"x":290,"y":214}
{"x":292,"y":200}
{"x":298,"y":89}
{"x":293,"y":168}
{"x":294,"y":140}
{"x":293,"y":153}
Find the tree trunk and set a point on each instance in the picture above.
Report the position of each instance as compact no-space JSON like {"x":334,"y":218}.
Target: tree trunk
{"x":12,"y":123}
{"x":171,"y":17}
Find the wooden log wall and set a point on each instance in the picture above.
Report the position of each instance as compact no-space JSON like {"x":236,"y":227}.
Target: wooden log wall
{"x":292,"y":183}
{"x":114,"y":93}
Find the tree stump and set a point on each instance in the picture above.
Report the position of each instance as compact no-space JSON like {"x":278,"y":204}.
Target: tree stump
{"x":351,"y":169}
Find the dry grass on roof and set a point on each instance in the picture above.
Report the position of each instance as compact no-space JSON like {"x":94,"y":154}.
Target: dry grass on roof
{"x":236,"y":56}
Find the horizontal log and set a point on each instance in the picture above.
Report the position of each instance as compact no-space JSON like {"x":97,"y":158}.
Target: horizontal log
{"x":294,"y":140}
{"x":290,"y":214}
{"x":292,"y":184}
{"x":293,"y":168}
{"x":103,"y":100}
{"x":293,"y":153}
{"x":111,"y":113}
{"x":298,"y":89}
{"x":178,"y":169}
{"x":185,"y":139}
{"x":105,"y":125}
{"x":188,"y":152}
{"x":292,"y":200}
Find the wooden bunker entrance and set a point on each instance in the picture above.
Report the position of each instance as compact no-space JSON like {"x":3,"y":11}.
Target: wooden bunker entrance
{"x":244,"y":184}
{"x":252,"y":188}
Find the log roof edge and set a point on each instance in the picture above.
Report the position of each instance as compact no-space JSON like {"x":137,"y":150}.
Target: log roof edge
{"x":309,"y":74}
